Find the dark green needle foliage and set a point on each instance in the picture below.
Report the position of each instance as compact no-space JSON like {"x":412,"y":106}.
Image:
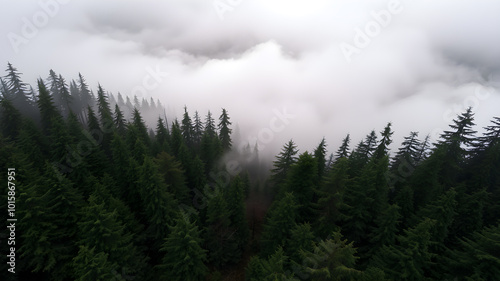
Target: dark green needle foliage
{"x":112,"y":187}
{"x":184,"y":258}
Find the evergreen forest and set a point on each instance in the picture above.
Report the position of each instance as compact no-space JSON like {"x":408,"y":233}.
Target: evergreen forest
{"x":107,"y":188}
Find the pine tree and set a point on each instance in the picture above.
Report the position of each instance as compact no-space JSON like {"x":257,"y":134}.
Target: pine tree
{"x":280,"y":221}
{"x":10,"y":119}
{"x":49,"y":226}
{"x":184,"y":258}
{"x":222,"y":245}
{"x":363,"y":152}
{"x":90,"y":266}
{"x":17,"y":91}
{"x":173,"y":176}
{"x":197,"y":130}
{"x":383,"y":147}
{"x":225,"y":131}
{"x":455,"y":143}
{"x":76,"y":102}
{"x":101,"y":229}
{"x":210,"y":125}
{"x":93,"y":125}
{"x":162,"y":137}
{"x":365,"y":199}
{"x":158,"y":204}
{"x":343,"y":151}
{"x":119,"y":121}
{"x":301,"y":239}
{"x":331,"y":259}
{"x":66,"y":100}
{"x":478,"y":257}
{"x":331,"y":198}
{"x":409,"y":258}
{"x":386,"y":229}
{"x":211,"y":147}
{"x":32,"y":142}
{"x":283,"y":162}
{"x":48,"y":110}
{"x":320,"y":156}
{"x":187,"y":128}
{"x":302,"y":181}
{"x":271,"y":269}
{"x":142,"y":131}
{"x":403,"y":164}
{"x":176,"y":139}
{"x":126,"y":173}
{"x":85,"y":95}
{"x":235,"y":198}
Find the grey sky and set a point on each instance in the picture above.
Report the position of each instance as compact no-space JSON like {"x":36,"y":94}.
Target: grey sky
{"x":425,"y":60}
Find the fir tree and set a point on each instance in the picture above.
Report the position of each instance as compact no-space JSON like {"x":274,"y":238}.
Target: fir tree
{"x":343,"y":151}
{"x":49,"y":226}
{"x":66,"y":100}
{"x":302,"y":181}
{"x":85,"y":95}
{"x":197,"y":129}
{"x":235,"y":198}
{"x":17,"y":91}
{"x":383,"y":147}
{"x":410,"y":258}
{"x":91,"y":266}
{"x":187,"y":128}
{"x":225,"y":131}
{"x":478,"y":257}
{"x":280,"y":221}
{"x":331,"y":259}
{"x":158,"y":204}
{"x":283,"y":162}
{"x":320,"y":156}
{"x":184,"y":258}
{"x":221,"y":239}
{"x":301,"y":239}
{"x":48,"y":111}
{"x":173,"y":176}
{"x":119,"y":121}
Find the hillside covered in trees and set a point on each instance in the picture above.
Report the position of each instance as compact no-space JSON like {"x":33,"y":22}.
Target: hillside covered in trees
{"x":102,"y":194}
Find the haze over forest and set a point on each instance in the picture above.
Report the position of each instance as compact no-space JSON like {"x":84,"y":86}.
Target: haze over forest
{"x":258,"y":56}
{"x":250,"y":140}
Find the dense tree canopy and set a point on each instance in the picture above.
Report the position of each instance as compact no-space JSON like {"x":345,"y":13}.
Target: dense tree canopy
{"x":109,"y":189}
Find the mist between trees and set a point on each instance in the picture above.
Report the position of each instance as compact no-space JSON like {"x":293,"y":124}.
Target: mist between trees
{"x":109,"y":189}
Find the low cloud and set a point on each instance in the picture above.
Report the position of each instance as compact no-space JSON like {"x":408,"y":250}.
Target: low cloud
{"x":269,"y":55}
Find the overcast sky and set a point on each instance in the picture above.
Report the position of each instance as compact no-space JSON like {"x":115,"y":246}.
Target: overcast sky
{"x":337,"y":66}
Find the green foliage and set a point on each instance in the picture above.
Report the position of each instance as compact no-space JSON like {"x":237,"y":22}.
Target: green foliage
{"x":302,"y":181}
{"x":271,"y":269}
{"x":477,"y":257}
{"x":225,"y":131}
{"x":301,"y":239}
{"x":283,"y":162}
{"x":331,"y":259}
{"x":235,"y":199}
{"x":331,"y":201}
{"x":49,"y":226}
{"x":222,"y":243}
{"x":184,"y":259}
{"x":280,"y":221}
{"x":410,"y":257}
{"x":173,"y":176}
{"x":90,"y":266}
{"x":158,"y":204}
